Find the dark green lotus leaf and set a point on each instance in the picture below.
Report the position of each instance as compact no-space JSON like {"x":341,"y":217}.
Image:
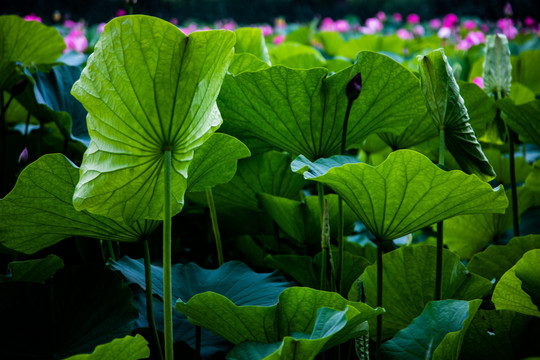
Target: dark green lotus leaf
{"x":215,"y":162}
{"x":81,"y":308}
{"x":406,"y":192}
{"x":416,"y":133}
{"x":526,"y":72}
{"x":519,"y":288}
{"x":448,"y":112}
{"x":297,"y":56}
{"x":372,"y":42}
{"x":246,"y":62}
{"x":497,"y":67}
{"x":38,"y":212}
{"x":521,"y":94}
{"x":147,"y":89}
{"x":264,"y":173}
{"x":36,"y":271}
{"x":29,"y":41}
{"x":330,"y":329}
{"x":301,"y":220}
{"x":126,"y":348}
{"x":233,"y":279}
{"x":331,"y":42}
{"x":493,"y":262}
{"x":302,"y":111}
{"x":437,"y":333}
{"x":480,"y":106}
{"x":523,"y":119}
{"x":501,"y":165}
{"x":296,"y":312}
{"x":49,"y":100}
{"x":501,"y":334}
{"x":532,"y":181}
{"x":303,"y":34}
{"x":409,"y":284}
{"x":337,"y":64}
{"x":250,"y":40}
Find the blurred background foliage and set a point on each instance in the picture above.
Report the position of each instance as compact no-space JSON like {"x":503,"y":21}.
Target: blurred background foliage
{"x":259,"y":11}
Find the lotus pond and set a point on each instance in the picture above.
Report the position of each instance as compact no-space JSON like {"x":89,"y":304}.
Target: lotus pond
{"x":319,"y":191}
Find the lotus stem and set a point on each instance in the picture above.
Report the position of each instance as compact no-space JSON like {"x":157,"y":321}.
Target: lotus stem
{"x":215,"y":226}
{"x":167,"y":259}
{"x":110,"y":247}
{"x":513,"y":185}
{"x":440,"y":241}
{"x":3,"y":140}
{"x":324,"y":257}
{"x":379,"y":296}
{"x":149,"y":297}
{"x":198,"y":339}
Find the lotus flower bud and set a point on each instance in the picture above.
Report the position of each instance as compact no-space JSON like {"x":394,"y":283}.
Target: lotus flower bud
{"x":354,"y":87}
{"x":19,"y":87}
{"x":23,"y":158}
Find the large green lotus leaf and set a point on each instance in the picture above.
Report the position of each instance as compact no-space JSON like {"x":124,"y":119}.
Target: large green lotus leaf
{"x":147,"y":88}
{"x":29,"y":41}
{"x":501,"y":165}
{"x":38,"y":212}
{"x":330,"y":329}
{"x":521,"y":94}
{"x":246,"y":62}
{"x":297,"y":56}
{"x":406,"y":192}
{"x":233,"y":279}
{"x":264,"y":173}
{"x":523,"y":119}
{"x":49,"y":100}
{"x":302,"y":111}
{"x":532,"y":181}
{"x":81,"y":308}
{"x":126,"y":348}
{"x":501,"y":334}
{"x":388,"y":43}
{"x":296,"y":312}
{"x":417,"y":132}
{"x":331,"y":42}
{"x":497,"y":66}
{"x":215,"y":162}
{"x":433,"y":331}
{"x":519,"y":288}
{"x":409,"y":284}
{"x":493,"y":262}
{"x":250,"y":40}
{"x":301,"y":220}
{"x":448,"y":112}
{"x":480,"y":106}
{"x":36,"y":271}
{"x":527,"y":72}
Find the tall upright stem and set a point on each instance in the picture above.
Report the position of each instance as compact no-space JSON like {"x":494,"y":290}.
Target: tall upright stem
{"x":379,"y":296}
{"x":215,"y":226}
{"x":167,"y":246}
{"x":438,"y":261}
{"x":324,"y":257}
{"x":513,"y":185}
{"x":149,"y":297}
{"x":3,"y":141}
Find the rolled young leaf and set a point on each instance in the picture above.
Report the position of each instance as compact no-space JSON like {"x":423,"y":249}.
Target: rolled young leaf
{"x":449,"y":113}
{"x":497,"y":66}
{"x":148,"y":88}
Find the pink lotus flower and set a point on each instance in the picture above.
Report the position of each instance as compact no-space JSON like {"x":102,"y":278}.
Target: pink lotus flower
{"x":278,"y":39}
{"x":174,"y":21}
{"x":70,"y":24}
{"x":413,"y":19}
{"x":507,"y":10}
{"x":341,"y":26}
{"x":450,"y":20}
{"x":404,"y":34}
{"x":435,"y":23}
{"x":475,"y":38}
{"x":507,"y":27}
{"x":469,"y":24}
{"x":479,"y":81}
{"x":327,"y":24}
{"x":76,"y":41}
{"x":528,"y":21}
{"x":32,"y":17}
{"x":266,"y":30}
{"x":189,"y":29}
{"x":373,"y":25}
{"x":444,"y":32}
{"x":381,"y":16}
{"x":121,"y":12}
{"x":397,"y":17}
{"x":419,"y":30}
{"x":100,"y":28}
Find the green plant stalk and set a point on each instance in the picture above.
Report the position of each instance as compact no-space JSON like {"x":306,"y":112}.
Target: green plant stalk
{"x":513,"y":184}
{"x":111,"y":250}
{"x":198,"y":339}
{"x":379,"y":297}
{"x":215,"y":225}
{"x":438,"y":261}
{"x":167,"y":249}
{"x":149,"y":298}
{"x":3,"y":140}
{"x":324,"y":257}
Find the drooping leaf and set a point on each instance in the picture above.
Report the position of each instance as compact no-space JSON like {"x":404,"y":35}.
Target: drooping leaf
{"x":497,"y":67}
{"x":302,"y":111}
{"x":480,"y":107}
{"x":433,"y":331}
{"x":36,"y":271}
{"x":330,"y":329}
{"x":409,"y":284}
{"x":519,"y":288}
{"x":83,"y":307}
{"x":126,"y":348}
{"x":250,"y":40}
{"x":147,"y":88}
{"x":406,"y":192}
{"x":501,"y":334}
{"x":246,"y":62}
{"x":29,"y":41}
{"x":38,"y":212}
{"x":296,"y":312}
{"x":449,"y":113}
{"x":523,"y":118}
{"x":215,"y":162}
{"x":297,"y":56}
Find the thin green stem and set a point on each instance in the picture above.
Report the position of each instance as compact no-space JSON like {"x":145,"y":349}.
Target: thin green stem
{"x":167,"y":249}
{"x":215,"y":226}
{"x":513,"y":184}
{"x":110,"y":247}
{"x":440,"y":242}
{"x":149,"y":297}
{"x":3,"y":140}
{"x":198,"y":339}
{"x":324,"y":257}
{"x":379,"y":297}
